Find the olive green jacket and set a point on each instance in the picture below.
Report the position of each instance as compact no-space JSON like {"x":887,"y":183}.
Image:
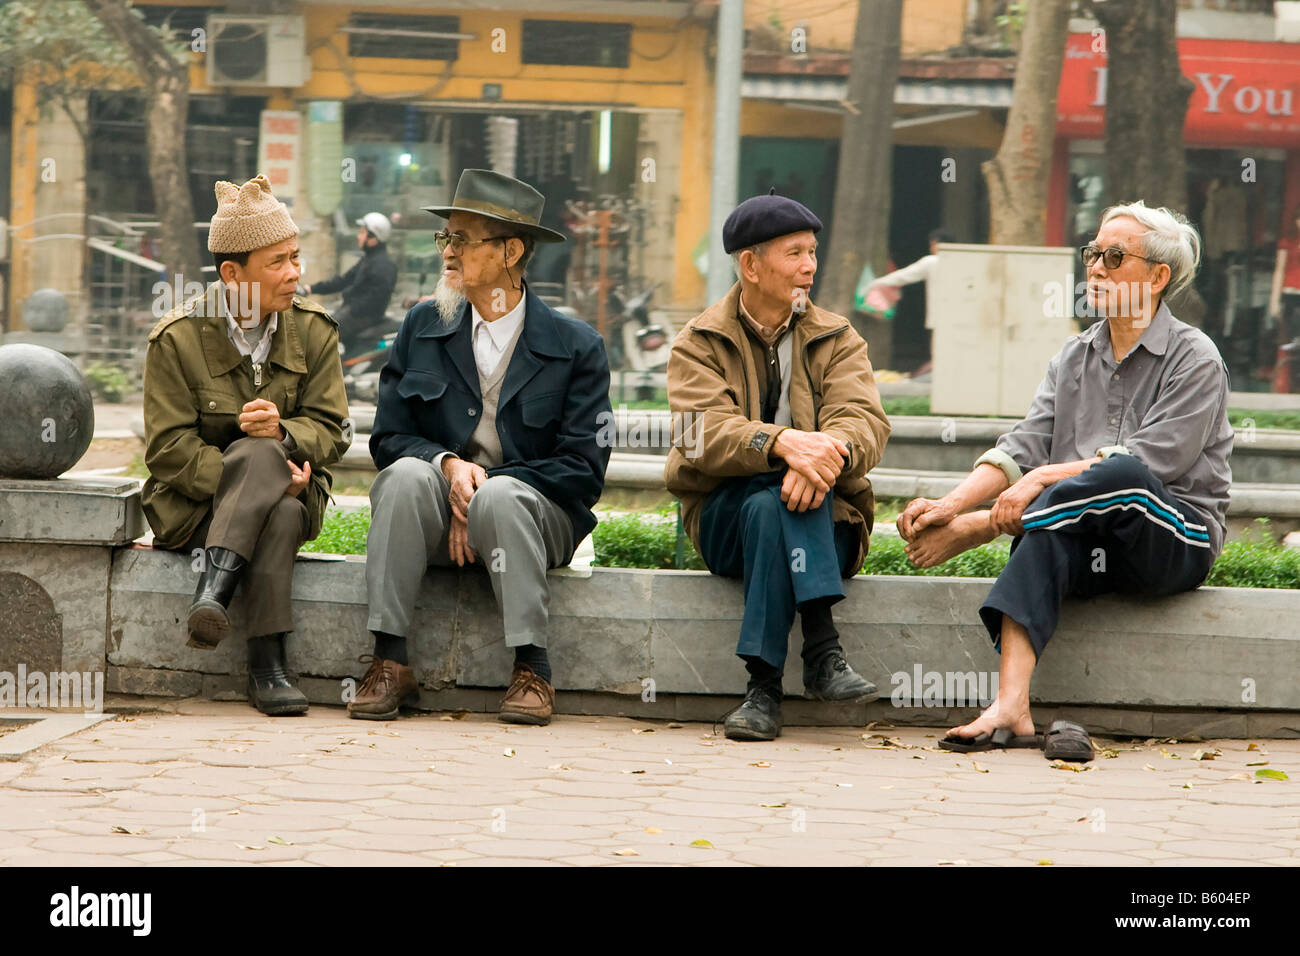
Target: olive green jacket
{"x":195,"y":385}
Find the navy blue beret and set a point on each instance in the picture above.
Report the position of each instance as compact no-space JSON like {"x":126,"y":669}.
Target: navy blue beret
{"x":761,"y":218}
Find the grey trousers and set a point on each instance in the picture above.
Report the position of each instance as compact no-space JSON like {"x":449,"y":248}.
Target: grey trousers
{"x":253,"y":517}
{"x":516,"y":532}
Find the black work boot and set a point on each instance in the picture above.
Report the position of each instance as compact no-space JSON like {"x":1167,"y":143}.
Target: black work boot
{"x":831,"y":678}
{"x":208,"y":621}
{"x":269,"y":687}
{"x":759,"y":717}
{"x":826,"y":674}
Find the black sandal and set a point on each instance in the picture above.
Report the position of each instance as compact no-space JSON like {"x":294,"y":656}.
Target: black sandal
{"x":1066,"y":740}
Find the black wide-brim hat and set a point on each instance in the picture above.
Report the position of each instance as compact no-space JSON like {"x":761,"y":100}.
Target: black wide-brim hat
{"x":485,"y":192}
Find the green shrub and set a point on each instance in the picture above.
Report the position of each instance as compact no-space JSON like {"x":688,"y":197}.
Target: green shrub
{"x":1256,"y":560}
{"x":341,"y":533}
{"x":907,"y":405}
{"x":647,"y":540}
{"x":1241,"y":417}
{"x":108,"y":383}
{"x":888,"y":555}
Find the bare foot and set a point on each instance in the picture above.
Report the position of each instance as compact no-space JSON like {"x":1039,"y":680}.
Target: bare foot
{"x":938,"y":543}
{"x":1000,"y":713}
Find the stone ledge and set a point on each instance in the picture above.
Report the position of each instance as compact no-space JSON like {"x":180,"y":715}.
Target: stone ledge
{"x":616,"y":631}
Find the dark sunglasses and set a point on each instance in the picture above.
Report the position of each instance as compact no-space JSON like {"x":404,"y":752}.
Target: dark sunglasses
{"x":1110,"y":258}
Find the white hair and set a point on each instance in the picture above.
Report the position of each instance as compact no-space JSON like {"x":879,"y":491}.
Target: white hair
{"x":757,"y":250}
{"x":1169,"y":238}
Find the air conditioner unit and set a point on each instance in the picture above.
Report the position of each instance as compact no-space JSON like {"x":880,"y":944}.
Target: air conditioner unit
{"x":265,"y":50}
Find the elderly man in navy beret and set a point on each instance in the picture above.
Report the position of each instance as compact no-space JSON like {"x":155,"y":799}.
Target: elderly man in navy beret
{"x":781,"y":421}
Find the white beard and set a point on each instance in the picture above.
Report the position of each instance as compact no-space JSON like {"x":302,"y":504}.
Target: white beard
{"x":448,"y":301}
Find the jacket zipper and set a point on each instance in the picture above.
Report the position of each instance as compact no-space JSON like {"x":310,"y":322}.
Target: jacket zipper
{"x":817,"y":338}
{"x":257,"y":375}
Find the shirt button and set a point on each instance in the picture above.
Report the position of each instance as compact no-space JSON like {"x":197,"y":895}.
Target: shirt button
{"x":212,"y":404}
{"x":1115,"y":377}
{"x":1112,"y":421}
{"x":472,"y":413}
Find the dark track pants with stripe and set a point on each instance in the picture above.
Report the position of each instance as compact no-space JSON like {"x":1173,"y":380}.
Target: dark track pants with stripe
{"x":1111,"y":528}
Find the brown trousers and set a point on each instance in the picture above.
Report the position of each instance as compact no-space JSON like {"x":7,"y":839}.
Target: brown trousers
{"x":252,"y":516}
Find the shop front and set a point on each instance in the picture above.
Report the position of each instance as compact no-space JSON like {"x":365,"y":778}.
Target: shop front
{"x":1242,"y":134}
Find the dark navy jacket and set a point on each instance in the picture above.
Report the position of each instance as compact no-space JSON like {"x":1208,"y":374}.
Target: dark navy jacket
{"x":554,"y":400}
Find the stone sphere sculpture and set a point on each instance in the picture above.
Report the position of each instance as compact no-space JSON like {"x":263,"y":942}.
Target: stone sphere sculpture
{"x":45,"y":310}
{"x":47,"y":417}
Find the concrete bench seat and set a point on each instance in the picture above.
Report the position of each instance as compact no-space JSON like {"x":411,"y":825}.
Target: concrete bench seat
{"x":78,"y":592}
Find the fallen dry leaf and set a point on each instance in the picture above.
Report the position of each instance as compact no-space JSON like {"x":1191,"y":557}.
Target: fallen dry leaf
{"x":634,"y":771}
{"x":951,"y":863}
{"x":1045,"y":862}
{"x":772,"y":806}
{"x":508,"y":752}
{"x":559,"y":766}
{"x":643,"y":730}
{"x":760,"y":763}
{"x":702,"y":844}
{"x":675,"y":726}
{"x":457,"y":715}
{"x":245,"y":846}
{"x":626,"y":851}
{"x":1147,"y":766}
{"x":281,"y":841}
{"x":653,"y":830}
{"x":118,"y":829}
{"x":1240,"y":776}
{"x":1073,"y":767}
{"x":977,"y":767}
{"x":1205,"y":754}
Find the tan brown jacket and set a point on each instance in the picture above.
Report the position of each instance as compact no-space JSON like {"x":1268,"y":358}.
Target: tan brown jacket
{"x":196,"y":383}
{"x":713,"y":383}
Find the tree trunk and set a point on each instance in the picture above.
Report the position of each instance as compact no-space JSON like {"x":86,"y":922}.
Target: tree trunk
{"x":1018,"y":176}
{"x":1146,"y":106}
{"x":863,"y":185}
{"x":167,"y":84}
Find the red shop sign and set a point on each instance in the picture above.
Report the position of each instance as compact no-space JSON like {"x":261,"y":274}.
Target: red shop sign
{"x":1245,"y":93}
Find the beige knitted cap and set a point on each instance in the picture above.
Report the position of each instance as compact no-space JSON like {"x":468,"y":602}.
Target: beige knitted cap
{"x":248,"y":217}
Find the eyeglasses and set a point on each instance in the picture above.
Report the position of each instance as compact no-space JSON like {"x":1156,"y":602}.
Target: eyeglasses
{"x":458,"y":242}
{"x":1110,"y":258}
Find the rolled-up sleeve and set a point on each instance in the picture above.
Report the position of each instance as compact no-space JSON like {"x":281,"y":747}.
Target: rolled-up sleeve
{"x":1177,"y":428}
{"x":1029,"y":443}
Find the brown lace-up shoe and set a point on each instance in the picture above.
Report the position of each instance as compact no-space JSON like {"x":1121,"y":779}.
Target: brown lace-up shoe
{"x":530,"y":699}
{"x":386,"y":686}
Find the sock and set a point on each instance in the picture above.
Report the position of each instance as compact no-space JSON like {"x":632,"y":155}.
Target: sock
{"x":761,"y":672}
{"x":819,"y":634}
{"x":535,"y":657}
{"x":390,"y":647}
{"x":265,"y":651}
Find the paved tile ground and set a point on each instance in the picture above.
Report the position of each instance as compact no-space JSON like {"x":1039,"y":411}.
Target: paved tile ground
{"x":218,"y":783}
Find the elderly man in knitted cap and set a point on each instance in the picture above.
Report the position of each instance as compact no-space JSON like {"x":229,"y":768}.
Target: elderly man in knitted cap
{"x":781,"y":423}
{"x":486,"y":440}
{"x":244,"y":409}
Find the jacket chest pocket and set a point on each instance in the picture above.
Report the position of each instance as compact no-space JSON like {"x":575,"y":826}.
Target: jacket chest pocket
{"x":219,"y":410}
{"x":542,"y":411}
{"x":422,"y":386}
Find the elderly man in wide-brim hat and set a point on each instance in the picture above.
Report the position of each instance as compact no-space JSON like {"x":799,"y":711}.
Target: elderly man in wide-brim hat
{"x":486,"y":441}
{"x":782,"y":421}
{"x":244,"y":410}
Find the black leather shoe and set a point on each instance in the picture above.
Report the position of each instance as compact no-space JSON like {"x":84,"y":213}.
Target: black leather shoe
{"x":834,"y":679}
{"x":758,"y":718}
{"x":269,"y":687}
{"x":208,"y":621}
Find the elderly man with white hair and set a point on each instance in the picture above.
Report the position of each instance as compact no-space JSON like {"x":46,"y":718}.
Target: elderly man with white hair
{"x":1116,"y":480}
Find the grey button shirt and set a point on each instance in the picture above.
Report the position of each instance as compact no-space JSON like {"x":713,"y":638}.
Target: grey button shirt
{"x":1166,"y":404}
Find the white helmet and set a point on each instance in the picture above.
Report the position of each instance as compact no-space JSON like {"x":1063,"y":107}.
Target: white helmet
{"x":378,"y":225}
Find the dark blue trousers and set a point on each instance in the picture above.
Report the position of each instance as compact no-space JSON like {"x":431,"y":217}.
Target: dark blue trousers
{"x":1111,"y":528}
{"x":786,"y":557}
